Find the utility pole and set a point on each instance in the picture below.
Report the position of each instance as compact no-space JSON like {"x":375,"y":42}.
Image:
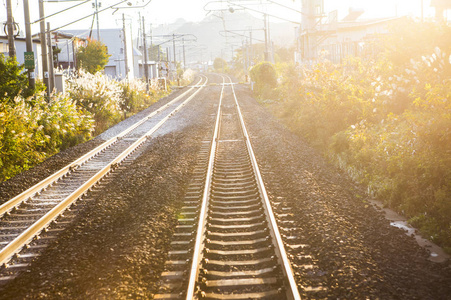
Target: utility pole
{"x":42,"y":37}
{"x":271,"y":47}
{"x":309,"y":37}
{"x":422,"y":11}
{"x":266,"y":39}
{"x":125,"y":47}
{"x":250,"y":49}
{"x":10,"y":26}
{"x":29,"y":43}
{"x":173,"y":48}
{"x":50,"y":54}
{"x":184,"y":60}
{"x":97,"y":16}
{"x":146,"y":69}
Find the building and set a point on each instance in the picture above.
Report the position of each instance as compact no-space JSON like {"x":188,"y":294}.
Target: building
{"x":441,"y":7}
{"x":353,"y":38}
{"x":119,"y":45}
{"x":332,"y":39}
{"x":21,"y":48}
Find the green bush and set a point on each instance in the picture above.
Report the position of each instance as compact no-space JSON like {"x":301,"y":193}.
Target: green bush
{"x":13,"y":80}
{"x":92,"y":58}
{"x":134,"y":96}
{"x":265,"y":77}
{"x":30,"y":133}
{"x":99,"y":96}
{"x":387,"y":122}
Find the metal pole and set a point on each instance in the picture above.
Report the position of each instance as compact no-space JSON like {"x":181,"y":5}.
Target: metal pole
{"x":10,"y":25}
{"x":422,"y":11}
{"x":271,"y":55}
{"x":173,"y":48}
{"x":97,"y":16}
{"x":266,"y":39}
{"x":184,"y":59}
{"x":29,"y":42}
{"x":168,"y":58}
{"x":68,"y":54}
{"x":250,"y":49}
{"x":42,"y":37}
{"x":125,"y":47}
{"x":151,"y":43}
{"x":74,"y":56}
{"x":146,"y":70}
{"x":50,"y":53}
{"x":244,"y":52}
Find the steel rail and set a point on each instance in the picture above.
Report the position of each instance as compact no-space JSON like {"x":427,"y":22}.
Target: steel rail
{"x":17,"y":200}
{"x":286,"y":266}
{"x":200,"y":235}
{"x":16,"y":245}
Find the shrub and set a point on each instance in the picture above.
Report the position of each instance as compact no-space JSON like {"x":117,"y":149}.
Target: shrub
{"x":388,"y":123}
{"x":13,"y":80}
{"x":99,"y":96}
{"x":265,"y":78}
{"x":30,"y":133}
{"x":94,"y":57}
{"x":134,"y":96}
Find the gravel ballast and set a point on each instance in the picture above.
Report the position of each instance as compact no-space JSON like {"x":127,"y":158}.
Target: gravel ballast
{"x":117,"y":245}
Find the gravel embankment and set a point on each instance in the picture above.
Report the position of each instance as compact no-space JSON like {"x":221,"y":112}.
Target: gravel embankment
{"x":27,"y":179}
{"x":355,"y":247}
{"x":117,"y":245}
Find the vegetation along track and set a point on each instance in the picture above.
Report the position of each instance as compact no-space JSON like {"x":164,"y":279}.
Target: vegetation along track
{"x":237,"y":250}
{"x":25,"y":216}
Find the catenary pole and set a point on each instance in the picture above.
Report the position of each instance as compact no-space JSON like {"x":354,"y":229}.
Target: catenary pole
{"x":10,"y":26}
{"x":29,"y":42}
{"x":50,"y":55}
{"x":146,"y":69}
{"x":43,"y":38}
{"x":125,"y":47}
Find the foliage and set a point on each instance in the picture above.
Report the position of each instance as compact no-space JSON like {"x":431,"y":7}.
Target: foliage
{"x":35,"y":128}
{"x":99,"y":96}
{"x":93,"y":57}
{"x":156,"y":53}
{"x":31,"y":133}
{"x":134,"y":96}
{"x":55,"y":51}
{"x":411,"y":40}
{"x":265,"y":78}
{"x":13,"y":80}
{"x":244,"y":59}
{"x":220,"y":65}
{"x":386,"y":121}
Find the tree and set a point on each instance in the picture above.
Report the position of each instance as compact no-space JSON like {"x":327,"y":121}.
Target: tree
{"x":265,"y":77}
{"x":155,"y":53}
{"x":13,"y":81}
{"x":93,"y":57}
{"x":220,"y":64}
{"x":55,"y":51}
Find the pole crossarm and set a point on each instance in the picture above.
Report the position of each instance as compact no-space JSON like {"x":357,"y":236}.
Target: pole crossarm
{"x":131,"y":6}
{"x":66,"y":9}
{"x":175,"y":37}
{"x":236,"y":32}
{"x":90,"y":15}
{"x":261,"y":12}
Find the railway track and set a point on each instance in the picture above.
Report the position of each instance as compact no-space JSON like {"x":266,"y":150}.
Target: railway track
{"x":227,"y":244}
{"x":25,"y":216}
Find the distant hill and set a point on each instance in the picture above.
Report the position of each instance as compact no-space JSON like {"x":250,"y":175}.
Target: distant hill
{"x":211,"y":34}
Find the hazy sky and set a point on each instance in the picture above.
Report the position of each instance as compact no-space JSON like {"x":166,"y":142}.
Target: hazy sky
{"x":167,"y":11}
